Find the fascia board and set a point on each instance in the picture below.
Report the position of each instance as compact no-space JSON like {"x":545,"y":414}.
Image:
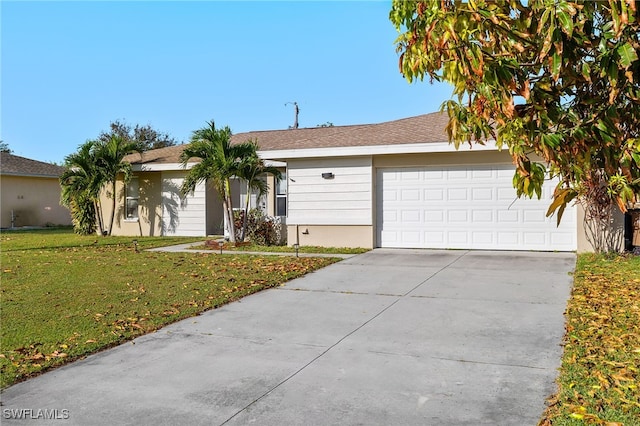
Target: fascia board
{"x":160,"y":167}
{"x":29,"y":175}
{"x":348,"y":151}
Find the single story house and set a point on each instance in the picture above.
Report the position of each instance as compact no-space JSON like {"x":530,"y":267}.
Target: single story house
{"x":30,"y":193}
{"x":393,"y":184}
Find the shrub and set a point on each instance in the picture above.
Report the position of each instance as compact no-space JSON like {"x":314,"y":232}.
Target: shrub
{"x":261,"y":229}
{"x":83,"y":215}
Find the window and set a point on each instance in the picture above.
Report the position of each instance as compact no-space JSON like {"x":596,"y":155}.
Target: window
{"x":132,"y":196}
{"x":281,"y":196}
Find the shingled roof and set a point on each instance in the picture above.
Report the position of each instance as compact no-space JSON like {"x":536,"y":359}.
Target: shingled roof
{"x":19,"y":166}
{"x":421,"y":129}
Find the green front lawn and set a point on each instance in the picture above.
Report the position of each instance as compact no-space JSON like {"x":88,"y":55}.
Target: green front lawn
{"x":65,"y":296}
{"x":600,"y":374}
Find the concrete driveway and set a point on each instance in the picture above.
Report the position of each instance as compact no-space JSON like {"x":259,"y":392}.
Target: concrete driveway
{"x":411,"y":337}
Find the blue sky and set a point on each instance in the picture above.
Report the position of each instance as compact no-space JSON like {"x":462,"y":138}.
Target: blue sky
{"x":70,"y":68}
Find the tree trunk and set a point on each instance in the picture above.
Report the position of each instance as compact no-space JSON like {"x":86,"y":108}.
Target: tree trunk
{"x":227,"y":204}
{"x":113,"y":207}
{"x":98,"y":211}
{"x":245,"y":217}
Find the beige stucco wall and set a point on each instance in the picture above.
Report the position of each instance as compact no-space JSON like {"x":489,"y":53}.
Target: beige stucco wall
{"x":271,"y":192}
{"x":34,"y":200}
{"x":271,"y":195}
{"x":149,"y":210}
{"x":584,"y":246}
{"x":331,"y":235}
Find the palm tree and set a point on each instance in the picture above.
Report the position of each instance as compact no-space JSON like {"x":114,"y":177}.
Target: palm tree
{"x":81,"y":183}
{"x":251,"y":170}
{"x":109,"y":162}
{"x":219,"y":162}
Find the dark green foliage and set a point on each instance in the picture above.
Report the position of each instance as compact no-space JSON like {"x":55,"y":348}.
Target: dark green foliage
{"x":144,"y":137}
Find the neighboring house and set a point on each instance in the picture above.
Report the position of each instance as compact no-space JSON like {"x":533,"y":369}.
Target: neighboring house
{"x":30,"y":193}
{"x":393,"y":184}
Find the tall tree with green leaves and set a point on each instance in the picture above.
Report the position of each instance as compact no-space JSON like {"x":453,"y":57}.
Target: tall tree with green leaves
{"x":146,"y":137}
{"x":109,"y":161}
{"x":4,"y":147}
{"x":81,"y":183}
{"x":556,"y":82}
{"x":219,"y":161}
{"x":252,"y":170}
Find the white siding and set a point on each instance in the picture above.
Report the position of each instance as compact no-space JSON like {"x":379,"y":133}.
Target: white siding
{"x":346,"y":199}
{"x":182,"y":216}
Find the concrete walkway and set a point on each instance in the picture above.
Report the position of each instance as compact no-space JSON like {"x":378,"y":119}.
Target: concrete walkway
{"x":390,"y":337}
{"x":187,"y":248}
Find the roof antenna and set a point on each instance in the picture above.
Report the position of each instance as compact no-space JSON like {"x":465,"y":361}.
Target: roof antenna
{"x":295,"y":123}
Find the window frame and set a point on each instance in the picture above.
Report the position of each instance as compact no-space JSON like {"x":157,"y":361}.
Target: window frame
{"x":132,"y":200}
{"x":281,"y":193}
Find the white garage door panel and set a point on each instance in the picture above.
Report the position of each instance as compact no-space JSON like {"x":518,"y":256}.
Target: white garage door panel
{"x":466,"y":207}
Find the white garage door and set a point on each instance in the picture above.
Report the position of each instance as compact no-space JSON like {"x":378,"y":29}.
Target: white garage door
{"x":466,"y":207}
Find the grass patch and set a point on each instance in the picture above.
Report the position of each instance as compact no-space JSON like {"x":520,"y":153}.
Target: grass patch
{"x":65,"y":296}
{"x":65,"y":237}
{"x":600,"y":372}
{"x":288,"y":249}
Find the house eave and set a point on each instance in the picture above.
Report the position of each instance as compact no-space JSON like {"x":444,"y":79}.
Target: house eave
{"x":29,"y":175}
{"x":160,"y":167}
{"x":349,"y":151}
{"x":164,"y":167}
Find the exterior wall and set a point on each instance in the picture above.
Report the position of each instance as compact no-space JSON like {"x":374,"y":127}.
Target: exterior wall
{"x":341,"y":211}
{"x":331,"y":235}
{"x":344,"y":199}
{"x":184,"y":216}
{"x":584,"y":246}
{"x":271,"y":195}
{"x":149,"y":221}
{"x":35,"y":201}
{"x":163,"y":211}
